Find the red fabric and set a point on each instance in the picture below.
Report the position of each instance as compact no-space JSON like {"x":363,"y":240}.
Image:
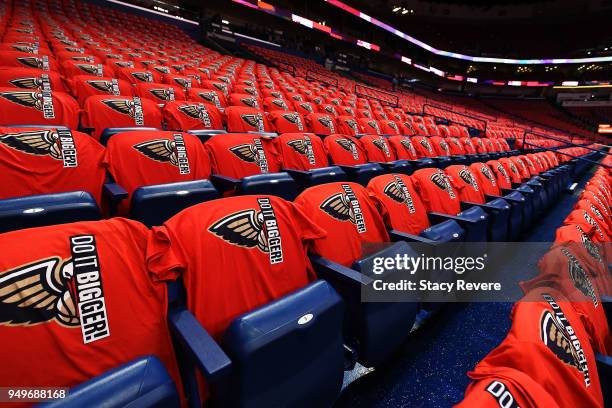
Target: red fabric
{"x":349,"y":216}
{"x":160,"y":93}
{"x":370,"y":126}
{"x":27,"y":106}
{"x":74,"y":68}
{"x":377,"y":148}
{"x":84,"y":86}
{"x":403,"y":147}
{"x":137,"y":159}
{"x":436,"y":191}
{"x":25,"y":60}
{"x":587,"y":221}
{"x":511,"y":169}
{"x":521,"y":166}
{"x":243,"y":119}
{"x":286,"y":122}
{"x":37,"y":161}
{"x":103,"y":112}
{"x":321,"y":124}
{"x":602,"y":220}
{"x":455,"y":146}
{"x":301,"y":151}
{"x":345,"y":150}
{"x":486,"y":178}
{"x":128,"y":322}
{"x":543,"y":347}
{"x":466,"y":183}
{"x":209,"y":96}
{"x":440,"y":145}
{"x":135,"y":75}
{"x":423,"y":146}
{"x":347,"y":125}
{"x":29,"y":78}
{"x":501,"y":174}
{"x":181,"y":115}
{"x":403,"y":209}
{"x":240,"y":154}
{"x":468,"y":144}
{"x":241,"y":99}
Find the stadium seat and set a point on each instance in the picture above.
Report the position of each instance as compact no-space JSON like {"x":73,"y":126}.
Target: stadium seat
{"x":348,"y":153}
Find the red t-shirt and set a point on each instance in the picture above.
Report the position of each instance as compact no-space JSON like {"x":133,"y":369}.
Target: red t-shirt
{"x":144,"y":158}
{"x":345,"y":150}
{"x":321,"y":124}
{"x":403,"y":209}
{"x":43,"y":161}
{"x":286,"y":122}
{"x":30,"y":78}
{"x":103,"y":112}
{"x":548,"y":343}
{"x":501,"y":174}
{"x":486,"y":178}
{"x":441,"y":146}
{"x":377,"y":148}
{"x":243,"y":119}
{"x":466,"y":183}
{"x":402,"y":147}
{"x":511,"y":169}
{"x":160,"y":93}
{"x":436,"y":191}
{"x":182,"y":115}
{"x":347,"y":125}
{"x":301,"y":151}
{"x":84,"y":86}
{"x":423,"y":146}
{"x":349,"y":216}
{"x":35,"y":106}
{"x":242,"y":154}
{"x":602,"y":220}
{"x":78,"y":303}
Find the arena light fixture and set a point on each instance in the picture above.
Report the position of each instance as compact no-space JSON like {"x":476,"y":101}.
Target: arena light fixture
{"x":548,"y":61}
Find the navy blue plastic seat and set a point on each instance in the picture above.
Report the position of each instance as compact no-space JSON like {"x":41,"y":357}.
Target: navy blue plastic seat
{"x":442,"y":162}
{"x":141,"y":383}
{"x":460,"y":159}
{"x":446,"y":231}
{"x":473,"y":220}
{"x":278,"y":184}
{"x":286,"y":353}
{"x":516,"y":201}
{"x":204,"y":134}
{"x":47,"y":209}
{"x":363,"y":173}
{"x":109,"y":132}
{"x":314,"y":177}
{"x":499,"y":212}
{"x":373,"y":330}
{"x":422,"y":163}
{"x":398,"y":166}
{"x":153,"y":205}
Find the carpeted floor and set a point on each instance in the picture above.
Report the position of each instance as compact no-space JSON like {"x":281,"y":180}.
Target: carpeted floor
{"x":430,"y":369}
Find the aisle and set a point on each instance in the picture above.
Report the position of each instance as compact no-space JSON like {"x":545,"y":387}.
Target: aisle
{"x":430,"y":369}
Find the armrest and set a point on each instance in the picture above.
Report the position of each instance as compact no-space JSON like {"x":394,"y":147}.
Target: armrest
{"x":115,"y":192}
{"x":224,"y":183}
{"x":436,"y":218}
{"x":296,"y":173}
{"x":606,"y":300}
{"x":467,"y":204}
{"x":334,"y":272}
{"x":396,"y":235}
{"x":209,"y":357}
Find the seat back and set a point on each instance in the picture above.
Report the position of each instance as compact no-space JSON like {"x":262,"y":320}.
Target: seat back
{"x":296,"y":341}
{"x":139,"y":383}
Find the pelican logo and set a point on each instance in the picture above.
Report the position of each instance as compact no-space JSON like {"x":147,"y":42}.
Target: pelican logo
{"x":114,"y":56}
{"x":254,"y":120}
{"x":523,"y":167}
{"x":248,"y":83}
{"x":82,"y":58}
{"x":514,"y":168}
{"x":466,"y":175}
{"x":348,"y":110}
{"x":580,"y":277}
{"x":335,"y":102}
{"x":143,"y":76}
{"x":25,"y":48}
{"x":42,"y":82}
{"x":393,"y":126}
{"x":560,"y":337}
{"x":252,"y":102}
{"x":109,"y":87}
{"x":198,"y":112}
{"x":124,"y":64}
{"x":224,"y":79}
{"x":57,"y":144}
{"x":299,"y":99}
{"x":304,"y":147}
{"x":165,"y":94}
{"x":596,"y":212}
{"x":253,"y":229}
{"x":397,"y":191}
{"x":162,"y":70}
{"x":251,"y":91}
{"x":221,"y":87}
{"x":96,"y":70}
{"x":307,"y":107}
{"x":441,"y":181}
{"x":327,"y":122}
{"x":345,"y":207}
{"x":408,"y":146}
{"x":591,"y":248}
{"x":294,"y":118}
{"x":537,"y":159}
{"x":35,"y":62}
{"x":352,"y":123}
{"x":350,"y":146}
{"x":184,"y":82}
{"x":42,"y":101}
{"x":252,"y":153}
{"x":280,"y":103}
{"x":502,"y":171}
{"x":484,"y":169}
{"x":408,"y":126}
{"x":468,"y":142}
{"x":374,"y":125}
{"x":382,"y":145}
{"x":444,"y":146}
{"x":366,"y":114}
{"x":167,"y":151}
{"x":130,"y":107}
{"x":276,"y":94}
{"x":66,"y":291}
{"x":211,"y":97}
{"x":383,"y":115}
{"x":425,"y":143}
{"x":330,"y":109}
{"x":530,"y":163}
{"x":594,"y":223}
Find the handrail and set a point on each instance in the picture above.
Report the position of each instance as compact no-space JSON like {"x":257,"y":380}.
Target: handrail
{"x":283,"y":66}
{"x":576,"y":157}
{"x":395,"y":105}
{"x":567,"y":143}
{"x":453,"y":112}
{"x":335,"y":82}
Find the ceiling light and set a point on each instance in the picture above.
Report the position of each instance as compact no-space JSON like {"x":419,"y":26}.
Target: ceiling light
{"x":404,"y":11}
{"x":396,"y":9}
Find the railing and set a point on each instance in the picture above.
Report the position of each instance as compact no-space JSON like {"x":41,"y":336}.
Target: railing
{"x":425,"y":105}
{"x":328,"y":79}
{"x":380,"y":91}
{"x":285,"y":66}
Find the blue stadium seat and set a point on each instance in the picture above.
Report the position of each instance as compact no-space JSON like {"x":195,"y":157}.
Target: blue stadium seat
{"x":363,"y":173}
{"x":278,"y":184}
{"x":140,"y":383}
{"x":314,"y":177}
{"x":109,"y":132}
{"x":47,"y":209}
